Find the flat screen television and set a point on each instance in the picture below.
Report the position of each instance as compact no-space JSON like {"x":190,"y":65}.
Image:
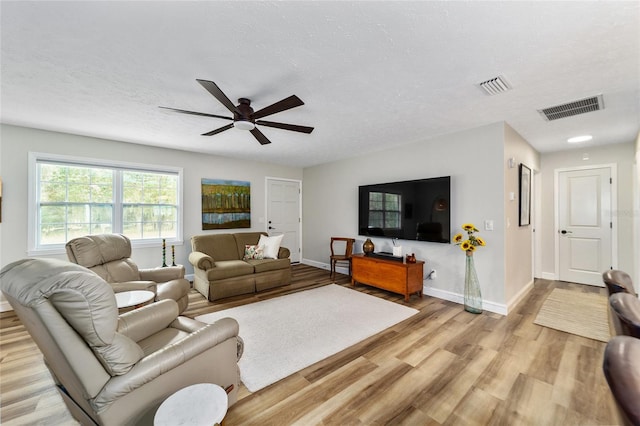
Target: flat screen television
{"x":410,"y":210}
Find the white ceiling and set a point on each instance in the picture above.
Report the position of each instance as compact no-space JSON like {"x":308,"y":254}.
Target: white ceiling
{"x":373,"y":75}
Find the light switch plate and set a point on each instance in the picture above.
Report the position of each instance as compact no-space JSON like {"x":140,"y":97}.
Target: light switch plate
{"x":488,"y":225}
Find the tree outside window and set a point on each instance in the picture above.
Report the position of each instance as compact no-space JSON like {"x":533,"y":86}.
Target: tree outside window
{"x":384,"y":210}
{"x":73,"y":200}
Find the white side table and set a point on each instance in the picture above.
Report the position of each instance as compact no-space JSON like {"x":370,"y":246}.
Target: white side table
{"x":137,"y":298}
{"x":201,"y":404}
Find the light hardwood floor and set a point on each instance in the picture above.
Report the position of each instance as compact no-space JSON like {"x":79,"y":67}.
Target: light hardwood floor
{"x":441,"y":366}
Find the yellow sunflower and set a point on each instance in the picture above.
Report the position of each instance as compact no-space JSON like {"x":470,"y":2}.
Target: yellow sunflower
{"x":472,"y":242}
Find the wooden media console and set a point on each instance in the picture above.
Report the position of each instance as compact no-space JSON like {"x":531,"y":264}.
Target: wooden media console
{"x":392,"y":275}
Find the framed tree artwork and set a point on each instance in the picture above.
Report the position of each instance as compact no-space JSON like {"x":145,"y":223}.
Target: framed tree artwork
{"x":525,"y":195}
{"x":226,"y":204}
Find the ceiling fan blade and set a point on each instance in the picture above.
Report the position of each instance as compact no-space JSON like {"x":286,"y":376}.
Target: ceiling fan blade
{"x":292,"y":127}
{"x":204,"y":114}
{"x":261,"y":138}
{"x":218,"y":94}
{"x":220,"y":130}
{"x":283,"y":105}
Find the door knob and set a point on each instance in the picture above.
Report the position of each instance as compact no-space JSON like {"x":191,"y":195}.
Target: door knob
{"x":271,"y":227}
{"x":564,"y":231}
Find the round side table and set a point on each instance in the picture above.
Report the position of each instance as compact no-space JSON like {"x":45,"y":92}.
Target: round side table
{"x":136,"y":298}
{"x":201,"y":404}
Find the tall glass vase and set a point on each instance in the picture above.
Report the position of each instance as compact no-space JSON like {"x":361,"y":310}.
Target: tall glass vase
{"x":472,"y":296}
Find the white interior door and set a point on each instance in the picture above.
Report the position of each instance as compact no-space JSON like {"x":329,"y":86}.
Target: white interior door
{"x":584,"y":225}
{"x":283,"y":213}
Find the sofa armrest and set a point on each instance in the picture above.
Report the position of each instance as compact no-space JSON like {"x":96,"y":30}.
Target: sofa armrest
{"x":147,"y":320}
{"x":284,"y":253}
{"x":168,"y":358}
{"x":201,"y":261}
{"x":134,"y":285}
{"x":162,"y":274}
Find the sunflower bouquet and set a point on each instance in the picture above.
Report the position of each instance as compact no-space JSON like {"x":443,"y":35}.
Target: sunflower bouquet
{"x":469,"y":245}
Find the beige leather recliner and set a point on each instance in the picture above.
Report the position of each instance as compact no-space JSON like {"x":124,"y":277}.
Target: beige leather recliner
{"x":108,"y":255}
{"x":110,"y":369}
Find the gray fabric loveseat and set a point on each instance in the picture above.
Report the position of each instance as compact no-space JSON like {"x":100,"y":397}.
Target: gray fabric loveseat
{"x":221,"y":268}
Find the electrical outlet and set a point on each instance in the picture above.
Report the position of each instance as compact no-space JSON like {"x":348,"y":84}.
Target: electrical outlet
{"x":432,"y":275}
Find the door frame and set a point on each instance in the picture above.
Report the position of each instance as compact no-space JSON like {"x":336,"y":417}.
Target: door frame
{"x":536,"y":251}
{"x":266,"y":206}
{"x":614,"y":207}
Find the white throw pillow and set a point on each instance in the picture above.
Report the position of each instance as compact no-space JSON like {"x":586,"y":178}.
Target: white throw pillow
{"x":270,"y":246}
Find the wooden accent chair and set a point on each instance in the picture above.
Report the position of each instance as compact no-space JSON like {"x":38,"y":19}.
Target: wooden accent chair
{"x":342,"y":257}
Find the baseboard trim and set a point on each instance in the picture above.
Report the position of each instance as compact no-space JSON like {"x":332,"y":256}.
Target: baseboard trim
{"x":5,"y":306}
{"x":340,"y":269}
{"x":497,"y":308}
{"x":519,"y":296}
{"x":549,"y":276}
{"x":487,"y":305}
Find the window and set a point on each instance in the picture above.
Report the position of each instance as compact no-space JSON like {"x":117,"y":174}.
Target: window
{"x":384,"y":210}
{"x":72,"y":197}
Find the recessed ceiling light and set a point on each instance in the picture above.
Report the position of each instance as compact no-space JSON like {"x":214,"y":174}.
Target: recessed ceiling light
{"x":578,"y":139}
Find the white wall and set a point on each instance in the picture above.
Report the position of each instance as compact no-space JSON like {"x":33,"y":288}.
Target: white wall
{"x":620,"y":154}
{"x":636,"y":216}
{"x":473,"y":159}
{"x":17,"y":142}
{"x":519,"y":239}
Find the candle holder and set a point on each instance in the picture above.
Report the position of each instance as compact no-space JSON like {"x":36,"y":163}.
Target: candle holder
{"x":164,"y":253}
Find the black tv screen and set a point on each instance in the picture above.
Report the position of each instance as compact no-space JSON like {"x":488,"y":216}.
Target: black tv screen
{"x":410,"y":210}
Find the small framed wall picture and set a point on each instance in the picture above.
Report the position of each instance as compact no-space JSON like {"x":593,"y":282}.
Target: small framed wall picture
{"x":525,"y":195}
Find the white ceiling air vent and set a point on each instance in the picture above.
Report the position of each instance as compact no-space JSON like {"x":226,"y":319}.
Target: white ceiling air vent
{"x":594,"y":103}
{"x":495,"y":85}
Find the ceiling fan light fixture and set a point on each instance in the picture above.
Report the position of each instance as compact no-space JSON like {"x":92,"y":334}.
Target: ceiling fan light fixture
{"x":244,"y":125}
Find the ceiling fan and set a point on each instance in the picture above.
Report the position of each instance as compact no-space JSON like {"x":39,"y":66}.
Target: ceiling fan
{"x":244,"y":117}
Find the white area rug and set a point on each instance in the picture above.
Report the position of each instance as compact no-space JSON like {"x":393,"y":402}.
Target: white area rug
{"x":288,"y":333}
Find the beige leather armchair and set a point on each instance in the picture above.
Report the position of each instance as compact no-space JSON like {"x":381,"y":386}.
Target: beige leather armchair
{"x":110,"y":369}
{"x":108,"y":255}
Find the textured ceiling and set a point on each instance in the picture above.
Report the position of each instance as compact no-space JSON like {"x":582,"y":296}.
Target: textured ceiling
{"x":372,"y":74}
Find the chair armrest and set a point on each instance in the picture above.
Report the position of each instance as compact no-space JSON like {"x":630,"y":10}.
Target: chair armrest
{"x":134,"y":285}
{"x":166,"y":359}
{"x":162,"y":274}
{"x":201,"y":261}
{"x":283,"y":253}
{"x":147,"y":320}
{"x":187,"y":324}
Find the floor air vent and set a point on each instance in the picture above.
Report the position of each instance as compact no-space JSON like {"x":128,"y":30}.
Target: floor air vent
{"x":582,"y":106}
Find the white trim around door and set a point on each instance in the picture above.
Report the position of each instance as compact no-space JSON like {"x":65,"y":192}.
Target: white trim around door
{"x":608,"y":209}
{"x":284,"y":213}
